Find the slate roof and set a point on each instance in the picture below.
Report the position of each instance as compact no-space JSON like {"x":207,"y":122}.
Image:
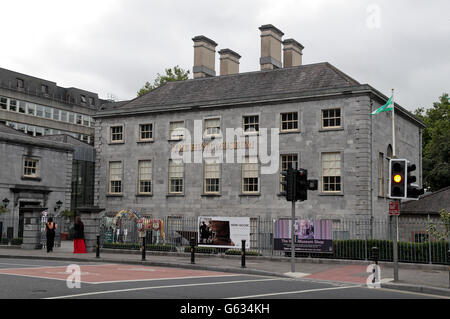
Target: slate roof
{"x":239,"y":87}
{"x":432,"y":203}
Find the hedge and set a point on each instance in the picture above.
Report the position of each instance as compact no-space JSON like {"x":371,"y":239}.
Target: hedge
{"x":131,"y":246}
{"x":14,"y":242}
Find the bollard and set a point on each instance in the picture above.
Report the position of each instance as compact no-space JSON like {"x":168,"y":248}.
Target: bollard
{"x":375,"y":255}
{"x":193,"y":242}
{"x":97,"y":248}
{"x":448,"y":262}
{"x":143,"y":249}
{"x":243,"y":255}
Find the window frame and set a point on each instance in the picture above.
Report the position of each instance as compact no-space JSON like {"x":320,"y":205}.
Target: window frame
{"x":243,"y":178}
{"x":258,"y":124}
{"x":175,"y":193}
{"x":112,"y":134}
{"x":140,"y":180}
{"x":323,"y":176}
{"x":207,"y":163}
{"x":206,"y":135}
{"x":282,"y":130}
{"x":25,"y":167}
{"x":329,"y":118}
{"x":110,"y":181}
{"x":171,"y":130}
{"x":151,"y":139}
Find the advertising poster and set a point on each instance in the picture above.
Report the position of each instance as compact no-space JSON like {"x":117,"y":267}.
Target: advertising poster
{"x":311,"y":236}
{"x":224,"y":232}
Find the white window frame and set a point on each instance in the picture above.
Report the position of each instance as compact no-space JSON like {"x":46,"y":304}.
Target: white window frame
{"x":26,"y":167}
{"x":176,"y":176}
{"x":116,"y":177}
{"x":113,"y":134}
{"x":173,"y":130}
{"x":207,"y":127}
{"x":289,"y":121}
{"x":141,"y":131}
{"x":329,"y":118}
{"x":330,"y":169}
{"x":258,"y":123}
{"x":209,"y":175}
{"x":248,"y":169}
{"x":141,"y":179}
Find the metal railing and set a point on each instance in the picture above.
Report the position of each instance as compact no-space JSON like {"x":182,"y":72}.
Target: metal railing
{"x":353,"y":239}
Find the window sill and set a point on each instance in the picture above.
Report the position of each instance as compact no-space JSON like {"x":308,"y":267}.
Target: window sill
{"x":116,"y":143}
{"x":211,"y":195}
{"x":290,"y":132}
{"x":331,"y":129}
{"x":114,"y":195}
{"x":175,"y":195}
{"x":29,"y":178}
{"x":250,"y":195}
{"x":144,"y":195}
{"x":332,"y":194}
{"x":145,"y":142}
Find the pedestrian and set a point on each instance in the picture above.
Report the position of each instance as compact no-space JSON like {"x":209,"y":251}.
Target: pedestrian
{"x":50,"y":229}
{"x":79,"y":247}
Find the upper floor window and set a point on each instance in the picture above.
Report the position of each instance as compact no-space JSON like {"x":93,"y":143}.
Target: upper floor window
{"x":146,"y":132}
{"x":331,"y":172}
{"x":83,"y":99}
{"x":176,"y":177}
{"x":31,"y":109}
{"x":20,"y":84}
{"x":145,"y":177}
{"x":13,"y":105}
{"x":250,"y":176}
{"x":3,"y":103}
{"x":30,"y":167}
{"x":91,"y":101}
{"x":115,"y":177}
{"x":176,"y":130}
{"x":212,"y":177}
{"x":44,"y":89}
{"x":331,"y":118}
{"x":289,"y":160}
{"x":212,"y":127}
{"x":289,"y":122}
{"x":251,"y":124}
{"x":22,"y":107}
{"x":116,"y":134}
{"x":48,"y":112}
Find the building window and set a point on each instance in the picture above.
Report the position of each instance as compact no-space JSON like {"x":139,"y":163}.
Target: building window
{"x":331,"y":172}
{"x":250,"y":176}
{"x":79,"y":119}
{"x":31,"y":109}
{"x":145,"y":177}
{"x":176,"y":130}
{"x":212,"y":127}
{"x":63,"y":116}
{"x":287,"y":161}
{"x":48,"y":112}
{"x":331,"y":118}
{"x":381,"y":175}
{"x":86,"y":120}
{"x":3,"y":103}
{"x":30,"y":167}
{"x":72,"y":118}
{"x":212,"y":178}
{"x":83,"y":99}
{"x":289,"y":122}
{"x":39,"y":111}
{"x":22,"y":107}
{"x":56,"y":114}
{"x":44,"y":89}
{"x":146,"y":132}
{"x":251,"y":124}
{"x":91,"y":101}
{"x":116,"y":134}
{"x":20,"y":84}
{"x":115,"y":177}
{"x":176,"y":177}
{"x":13,"y":105}
{"x":39,"y":131}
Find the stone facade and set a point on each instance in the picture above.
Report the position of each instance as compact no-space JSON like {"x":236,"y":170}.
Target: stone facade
{"x":352,"y":141}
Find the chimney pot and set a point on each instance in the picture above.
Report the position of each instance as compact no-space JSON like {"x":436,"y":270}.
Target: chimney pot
{"x":229,"y":62}
{"x":271,"y":39}
{"x":293,"y":53}
{"x":204,"y":57}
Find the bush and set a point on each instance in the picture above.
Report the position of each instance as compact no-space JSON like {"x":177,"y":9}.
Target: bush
{"x":202,"y":250}
{"x":133,"y":246}
{"x":238,"y":252}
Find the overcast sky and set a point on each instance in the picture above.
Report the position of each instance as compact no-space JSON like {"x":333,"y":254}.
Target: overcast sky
{"x":115,"y":46}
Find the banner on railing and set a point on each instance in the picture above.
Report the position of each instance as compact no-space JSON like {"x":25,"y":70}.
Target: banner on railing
{"x":223,"y":232}
{"x":311,"y":236}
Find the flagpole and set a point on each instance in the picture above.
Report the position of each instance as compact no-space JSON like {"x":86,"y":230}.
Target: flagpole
{"x":394,"y":149}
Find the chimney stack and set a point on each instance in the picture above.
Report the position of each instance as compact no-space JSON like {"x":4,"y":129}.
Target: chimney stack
{"x":204,"y":57}
{"x":271,"y":39}
{"x":293,"y":52}
{"x":229,"y":62}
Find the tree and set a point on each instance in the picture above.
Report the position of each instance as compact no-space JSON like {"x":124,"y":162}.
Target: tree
{"x":177,"y":74}
{"x":436,"y":144}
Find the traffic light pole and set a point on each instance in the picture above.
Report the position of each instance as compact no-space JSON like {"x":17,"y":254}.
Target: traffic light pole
{"x":395,"y":248}
{"x":293,"y":239}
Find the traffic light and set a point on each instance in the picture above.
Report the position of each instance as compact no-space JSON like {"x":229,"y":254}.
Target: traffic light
{"x":288,"y":183}
{"x":301,"y":189}
{"x":412,"y":191}
{"x":397,"y":185}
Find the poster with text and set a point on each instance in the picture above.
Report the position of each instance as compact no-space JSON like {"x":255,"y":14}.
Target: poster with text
{"x":224,"y":232}
{"x":311,"y":236}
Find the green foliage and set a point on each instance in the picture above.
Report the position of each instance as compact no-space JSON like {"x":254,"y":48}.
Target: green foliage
{"x":3,"y":210}
{"x":172,"y":75}
{"x":133,"y":246}
{"x":68,"y":214}
{"x":436,"y":144}
{"x":202,"y":250}
{"x":444,"y":232}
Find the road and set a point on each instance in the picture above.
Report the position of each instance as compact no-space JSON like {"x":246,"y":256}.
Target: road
{"x":45,"y":279}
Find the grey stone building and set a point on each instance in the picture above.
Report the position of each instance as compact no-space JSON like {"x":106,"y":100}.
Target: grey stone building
{"x":40,"y":107}
{"x":324,"y":122}
{"x":35,"y":172}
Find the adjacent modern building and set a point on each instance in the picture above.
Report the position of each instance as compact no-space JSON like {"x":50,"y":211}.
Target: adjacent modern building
{"x":40,"y":107}
{"x":321,"y":117}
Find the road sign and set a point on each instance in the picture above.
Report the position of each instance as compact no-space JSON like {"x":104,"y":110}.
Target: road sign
{"x":394,"y":208}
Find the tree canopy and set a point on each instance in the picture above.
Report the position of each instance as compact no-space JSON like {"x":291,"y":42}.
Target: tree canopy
{"x":175,"y":74}
{"x":436,"y":144}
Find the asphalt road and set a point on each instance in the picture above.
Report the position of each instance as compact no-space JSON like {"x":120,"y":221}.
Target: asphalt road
{"x":48,"y":280}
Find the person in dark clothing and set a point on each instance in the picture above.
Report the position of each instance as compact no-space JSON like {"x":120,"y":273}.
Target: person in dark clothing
{"x":50,"y":230}
{"x":79,"y":246}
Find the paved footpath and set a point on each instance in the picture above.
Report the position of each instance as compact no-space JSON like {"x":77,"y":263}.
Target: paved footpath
{"x":433,"y":279}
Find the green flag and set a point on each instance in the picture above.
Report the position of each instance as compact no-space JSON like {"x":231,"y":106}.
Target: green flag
{"x":389,"y":106}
